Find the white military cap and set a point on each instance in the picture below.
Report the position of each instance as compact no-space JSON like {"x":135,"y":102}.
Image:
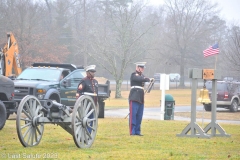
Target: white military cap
{"x":141,"y":64}
{"x":90,"y":68}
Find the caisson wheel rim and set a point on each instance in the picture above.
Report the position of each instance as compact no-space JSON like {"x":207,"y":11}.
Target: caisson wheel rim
{"x":84,"y":122}
{"x":29,"y":131}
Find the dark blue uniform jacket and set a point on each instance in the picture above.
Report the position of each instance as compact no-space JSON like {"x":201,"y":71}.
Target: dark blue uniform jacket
{"x":89,"y":85}
{"x":137,"y":94}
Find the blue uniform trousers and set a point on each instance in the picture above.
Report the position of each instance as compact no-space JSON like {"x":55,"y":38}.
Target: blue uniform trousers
{"x":135,"y":117}
{"x":91,"y":123}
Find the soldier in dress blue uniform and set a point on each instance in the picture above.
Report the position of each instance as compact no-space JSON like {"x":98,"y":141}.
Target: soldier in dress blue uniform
{"x":136,"y":98}
{"x":88,"y":85}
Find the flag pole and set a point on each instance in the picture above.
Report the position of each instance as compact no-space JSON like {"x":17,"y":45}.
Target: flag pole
{"x":216,"y":57}
{"x":216,"y":61}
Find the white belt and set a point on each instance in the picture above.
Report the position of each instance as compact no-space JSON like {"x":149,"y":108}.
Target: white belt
{"x":137,"y":87}
{"x":90,"y":94}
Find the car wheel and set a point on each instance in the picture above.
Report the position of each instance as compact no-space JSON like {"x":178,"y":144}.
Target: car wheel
{"x":207,"y":107}
{"x":234,"y":106}
{"x":101,"y":109}
{"x":2,"y":115}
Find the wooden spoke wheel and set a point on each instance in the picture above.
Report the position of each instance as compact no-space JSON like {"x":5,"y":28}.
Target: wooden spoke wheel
{"x":84,"y":122}
{"x":29,"y":131}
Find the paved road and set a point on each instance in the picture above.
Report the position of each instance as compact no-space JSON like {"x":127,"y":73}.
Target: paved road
{"x":154,"y":113}
{"x":171,"y":84}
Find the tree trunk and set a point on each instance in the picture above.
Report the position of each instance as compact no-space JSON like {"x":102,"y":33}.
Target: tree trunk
{"x":118,"y":89}
{"x":182,"y":85}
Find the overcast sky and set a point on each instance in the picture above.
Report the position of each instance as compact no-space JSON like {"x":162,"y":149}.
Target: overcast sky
{"x":230,"y":8}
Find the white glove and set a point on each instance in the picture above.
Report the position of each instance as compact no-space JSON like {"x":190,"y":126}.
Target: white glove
{"x":151,"y":79}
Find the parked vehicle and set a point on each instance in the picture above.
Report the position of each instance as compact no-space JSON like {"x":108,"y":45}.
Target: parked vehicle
{"x":174,"y":77}
{"x":9,"y":57}
{"x":7,"y":103}
{"x":9,"y":62}
{"x":228,"y":95}
{"x":44,"y":81}
{"x":228,"y":79}
{"x":157,"y":77}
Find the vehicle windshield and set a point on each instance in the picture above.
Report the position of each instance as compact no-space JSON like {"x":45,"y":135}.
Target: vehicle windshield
{"x":221,"y":86}
{"x":82,"y":74}
{"x":40,"y":74}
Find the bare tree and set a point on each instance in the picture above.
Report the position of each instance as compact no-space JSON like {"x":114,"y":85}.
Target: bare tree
{"x":122,"y":42}
{"x":35,"y":35}
{"x":189,"y":23}
{"x":83,"y":15}
{"x":116,"y":33}
{"x":23,"y":19}
{"x":232,"y":50}
{"x":156,"y":56}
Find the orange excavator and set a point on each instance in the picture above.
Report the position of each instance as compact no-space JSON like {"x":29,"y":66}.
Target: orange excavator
{"x":9,"y":62}
{"x":10,"y":58}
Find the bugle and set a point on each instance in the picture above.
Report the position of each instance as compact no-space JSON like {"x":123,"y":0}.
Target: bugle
{"x":150,"y":85}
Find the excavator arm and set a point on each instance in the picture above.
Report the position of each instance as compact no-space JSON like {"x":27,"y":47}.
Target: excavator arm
{"x":10,"y":58}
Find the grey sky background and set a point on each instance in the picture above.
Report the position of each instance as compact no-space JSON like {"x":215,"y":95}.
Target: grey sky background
{"x":230,"y":9}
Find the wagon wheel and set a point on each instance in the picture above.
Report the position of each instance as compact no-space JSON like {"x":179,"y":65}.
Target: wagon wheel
{"x":84,"y":122}
{"x":28,"y":129}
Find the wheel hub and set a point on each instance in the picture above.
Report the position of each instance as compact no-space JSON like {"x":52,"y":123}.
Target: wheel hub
{"x":34,"y":121}
{"x":85,"y":122}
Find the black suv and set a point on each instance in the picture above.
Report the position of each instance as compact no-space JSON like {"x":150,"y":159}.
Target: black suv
{"x":228,"y":95}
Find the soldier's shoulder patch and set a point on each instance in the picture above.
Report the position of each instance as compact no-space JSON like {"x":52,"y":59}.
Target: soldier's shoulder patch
{"x":80,"y":87}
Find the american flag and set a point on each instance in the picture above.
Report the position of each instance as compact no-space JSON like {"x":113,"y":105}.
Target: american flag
{"x":211,"y":50}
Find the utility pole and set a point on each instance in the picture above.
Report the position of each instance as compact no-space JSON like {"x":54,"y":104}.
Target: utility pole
{"x":84,"y":34}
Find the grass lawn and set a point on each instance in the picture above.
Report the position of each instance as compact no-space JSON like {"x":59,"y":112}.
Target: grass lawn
{"x":113,"y":142}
